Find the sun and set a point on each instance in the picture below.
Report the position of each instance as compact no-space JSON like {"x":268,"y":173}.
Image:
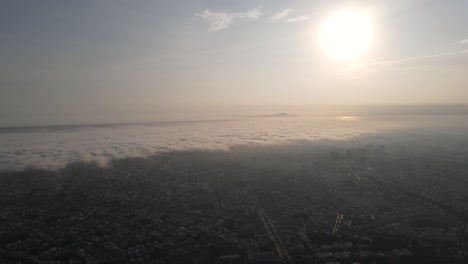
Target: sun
{"x":346,"y":35}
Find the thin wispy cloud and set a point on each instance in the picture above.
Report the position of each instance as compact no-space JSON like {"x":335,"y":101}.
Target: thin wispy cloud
{"x":404,"y":61}
{"x":284,"y":14}
{"x":222,"y":20}
{"x":463,"y":41}
{"x":281,"y":14}
{"x":297,"y":19}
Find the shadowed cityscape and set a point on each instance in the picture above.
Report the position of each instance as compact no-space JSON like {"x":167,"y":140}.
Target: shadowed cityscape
{"x":387,"y":197}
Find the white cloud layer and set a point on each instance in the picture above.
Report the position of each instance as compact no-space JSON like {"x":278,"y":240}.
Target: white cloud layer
{"x":463,"y":41}
{"x":222,"y":20}
{"x":52,"y":148}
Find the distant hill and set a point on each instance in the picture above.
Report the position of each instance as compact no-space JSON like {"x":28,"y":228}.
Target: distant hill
{"x":272,"y":115}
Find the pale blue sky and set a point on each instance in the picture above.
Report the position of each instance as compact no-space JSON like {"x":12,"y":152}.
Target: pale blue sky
{"x":98,"y":61}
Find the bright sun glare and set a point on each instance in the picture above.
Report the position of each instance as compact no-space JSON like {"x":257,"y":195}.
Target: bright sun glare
{"x":346,"y":35}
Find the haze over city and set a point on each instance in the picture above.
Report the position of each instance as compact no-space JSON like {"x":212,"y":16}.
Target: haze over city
{"x":202,"y":131}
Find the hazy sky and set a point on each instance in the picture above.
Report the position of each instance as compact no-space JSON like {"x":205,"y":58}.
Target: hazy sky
{"x":79,"y":61}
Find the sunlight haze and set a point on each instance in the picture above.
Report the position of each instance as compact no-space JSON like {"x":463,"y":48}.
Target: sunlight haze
{"x":88,"y":61}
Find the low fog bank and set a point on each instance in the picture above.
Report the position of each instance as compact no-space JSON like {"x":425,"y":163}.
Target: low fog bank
{"x":447,"y":144}
{"x":53,"y":148}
